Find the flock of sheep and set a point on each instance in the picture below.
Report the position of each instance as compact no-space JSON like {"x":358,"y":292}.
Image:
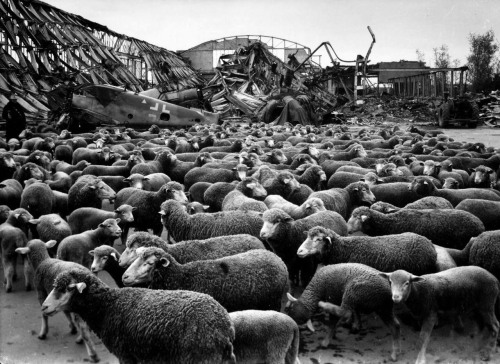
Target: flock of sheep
{"x":265,"y":226}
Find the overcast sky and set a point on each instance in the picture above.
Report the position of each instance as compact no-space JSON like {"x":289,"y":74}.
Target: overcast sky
{"x":400,"y":26}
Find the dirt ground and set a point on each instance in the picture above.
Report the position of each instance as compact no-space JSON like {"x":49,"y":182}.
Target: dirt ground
{"x":20,"y":320}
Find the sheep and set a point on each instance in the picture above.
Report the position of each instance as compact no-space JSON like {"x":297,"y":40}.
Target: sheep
{"x":433,"y":169}
{"x":481,"y":177}
{"x":31,"y":170}
{"x":87,"y":218}
{"x":7,"y":166}
{"x":283,"y":184}
{"x":429,"y":202}
{"x":356,"y":288}
{"x":450,"y":183}
{"x":311,"y":206}
{"x":344,"y":179}
{"x":344,"y":200}
{"x":75,"y":247}
{"x":265,"y":336}
{"x":196,"y":207}
{"x":89,"y":191}
{"x":487,"y":211}
{"x":331,"y":166}
{"x":147,"y":204}
{"x":386,"y":253}
{"x":191,"y":250}
{"x":243,"y":196}
{"x":422,"y":186}
{"x":214,"y":195}
{"x":285,"y":236}
{"x":211,"y":175}
{"x":46,"y":270}
{"x":106,"y":258}
{"x":69,"y":168}
{"x":124,"y":171}
{"x":38,"y":199}
{"x":313,"y":177}
{"x":4,"y":213}
{"x":151,"y":182}
{"x":462,"y":289}
{"x":256,"y":279}
{"x":10,"y":193}
{"x":177,"y":170}
{"x":160,"y":331}
{"x":396,"y":193}
{"x":197,"y":191}
{"x":51,"y":227}
{"x":183,"y":226}
{"x":448,"y":228}
{"x":13,"y":234}
{"x":93,"y":156}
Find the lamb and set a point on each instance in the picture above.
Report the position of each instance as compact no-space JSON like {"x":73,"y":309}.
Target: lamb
{"x":87,"y":218}
{"x":183,"y":226}
{"x":344,"y":200}
{"x":13,"y":234}
{"x":46,"y":269}
{"x":10,"y":193}
{"x":106,"y":258}
{"x":265,"y":337}
{"x":429,"y":202}
{"x":387,"y":253}
{"x":256,"y":279}
{"x":191,"y":250}
{"x":311,"y":206}
{"x":38,"y":199}
{"x":162,"y":328}
{"x":148,"y":203}
{"x":463,"y":289}
{"x":243,"y":197}
{"x":356,"y":288}
{"x":285,"y":236}
{"x":75,"y":248}
{"x":448,"y":228}
{"x":422,"y":186}
{"x":89,"y":191}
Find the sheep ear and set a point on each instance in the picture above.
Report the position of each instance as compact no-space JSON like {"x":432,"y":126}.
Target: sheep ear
{"x":32,"y":221}
{"x":126,"y":180}
{"x":490,"y":171}
{"x":390,"y":209}
{"x":118,"y":220}
{"x":385,"y":275}
{"x":286,"y":180}
{"x":115,"y":257}
{"x":23,"y":250}
{"x":328,"y":239}
{"x":416,"y":278}
{"x":364,"y":218}
{"x":291,"y":298}
{"x":164,"y":262}
{"x":79,"y":286}
{"x":91,"y":253}
{"x":310,"y":325}
{"x":425,"y":183}
{"x":51,"y":243}
{"x":251,"y":185}
{"x":161,"y":212}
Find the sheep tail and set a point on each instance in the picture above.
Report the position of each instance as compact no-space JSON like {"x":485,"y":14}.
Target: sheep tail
{"x":461,"y":257}
{"x":292,"y":355}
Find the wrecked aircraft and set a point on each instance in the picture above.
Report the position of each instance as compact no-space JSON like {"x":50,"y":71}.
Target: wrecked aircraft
{"x":105,"y":105}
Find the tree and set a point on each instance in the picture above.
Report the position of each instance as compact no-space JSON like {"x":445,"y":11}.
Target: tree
{"x":482,"y":60}
{"x":441,"y":56}
{"x":420,"y":55}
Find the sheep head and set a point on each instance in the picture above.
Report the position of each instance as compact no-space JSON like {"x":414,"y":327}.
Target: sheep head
{"x":481,"y":174}
{"x":252,"y":188}
{"x":136,"y":180}
{"x":124,"y":212}
{"x":110,"y":227}
{"x":422,"y":186}
{"x":104,"y":192}
{"x":313,"y":205}
{"x":141,"y":271}
{"x":174,"y":191}
{"x":101,"y":256}
{"x":384,"y":207}
{"x":318,"y":238}
{"x":273,"y":218}
{"x":359,"y":220}
{"x":431,"y":168}
{"x":401,"y":282}
{"x":361,"y":193}
{"x":286,"y":178}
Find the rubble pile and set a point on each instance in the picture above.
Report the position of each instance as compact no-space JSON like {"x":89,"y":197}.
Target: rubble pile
{"x":490,"y":109}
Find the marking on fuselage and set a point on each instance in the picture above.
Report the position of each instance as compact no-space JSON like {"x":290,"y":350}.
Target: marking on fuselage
{"x":152,"y":116}
{"x":143,"y":101}
{"x":165,"y":110}
{"x":154,"y":108}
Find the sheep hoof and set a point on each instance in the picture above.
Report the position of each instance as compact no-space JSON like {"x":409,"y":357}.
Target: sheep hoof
{"x":42,"y":336}
{"x":79,"y":339}
{"x":73,"y":330}
{"x":94,"y":358}
{"x":8,"y":289}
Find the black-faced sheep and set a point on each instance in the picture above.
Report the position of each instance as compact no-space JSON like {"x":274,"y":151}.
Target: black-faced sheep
{"x":183,"y":226}
{"x":256,"y":279}
{"x":243,"y":197}
{"x":311,"y":206}
{"x":158,"y":333}
{"x":147,"y":204}
{"x":75,"y":248}
{"x":46,"y":269}
{"x":356,"y":288}
{"x":461,"y":289}
{"x":191,"y":250}
{"x":265,"y":336}
{"x":387,"y":253}
{"x":448,"y":228}
{"x":89,"y":191}
{"x":344,"y":200}
{"x":422,"y":186}
{"x":106,"y":258}
{"x":87,"y":218}
{"x":482,"y":177}
{"x":285,"y":235}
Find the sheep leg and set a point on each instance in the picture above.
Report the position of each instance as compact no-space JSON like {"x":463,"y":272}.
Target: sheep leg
{"x":157,"y":230}
{"x":28,"y":274}
{"x":45,"y":328}
{"x":425,"y":334}
{"x":331,"y":332}
{"x":72,"y":326}
{"x":85,"y":333}
{"x":124,"y":234}
{"x":490,"y":337}
{"x":392,"y":322}
{"x":9,"y":271}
